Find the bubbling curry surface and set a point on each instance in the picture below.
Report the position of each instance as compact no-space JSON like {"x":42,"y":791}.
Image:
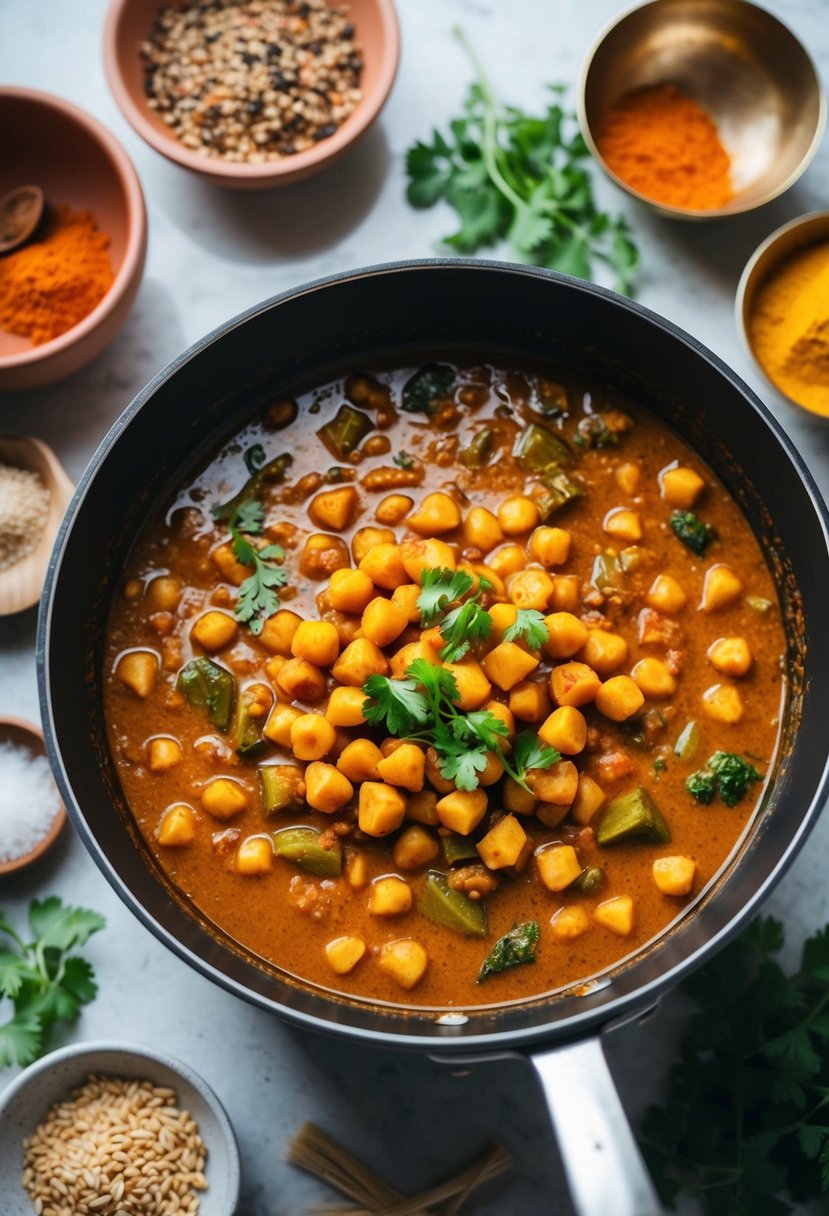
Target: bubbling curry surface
{"x":610,"y":670}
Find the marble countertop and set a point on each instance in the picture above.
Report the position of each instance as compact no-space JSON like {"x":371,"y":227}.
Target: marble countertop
{"x":213,"y":253}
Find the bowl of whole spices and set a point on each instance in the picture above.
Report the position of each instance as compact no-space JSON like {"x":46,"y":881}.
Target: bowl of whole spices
{"x":32,"y":815}
{"x":34,"y":493}
{"x":67,"y":289}
{"x":114,"y":1129}
{"x":251,"y":93}
{"x":701,"y":108}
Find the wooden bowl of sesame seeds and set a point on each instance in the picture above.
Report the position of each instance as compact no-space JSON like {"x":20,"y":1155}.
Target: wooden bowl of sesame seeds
{"x":255,"y":94}
{"x":97,"y":1128}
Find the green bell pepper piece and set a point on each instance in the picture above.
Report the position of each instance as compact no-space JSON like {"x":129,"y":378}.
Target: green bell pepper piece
{"x":282,"y":787}
{"x":208,"y":686}
{"x":439,"y":903}
{"x":301,"y":846}
{"x":632,"y":816}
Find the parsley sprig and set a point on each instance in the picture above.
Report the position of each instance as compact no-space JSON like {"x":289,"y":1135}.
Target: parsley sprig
{"x":45,"y":983}
{"x":423,"y":707}
{"x":514,"y":176}
{"x":258,"y":598}
{"x":746,"y":1125}
{"x":464,"y":624}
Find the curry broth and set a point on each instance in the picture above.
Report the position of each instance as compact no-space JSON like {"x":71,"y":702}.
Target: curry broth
{"x":286,"y":916}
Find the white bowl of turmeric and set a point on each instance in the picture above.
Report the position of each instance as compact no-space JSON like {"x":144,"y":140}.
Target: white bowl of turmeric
{"x":783,"y":311}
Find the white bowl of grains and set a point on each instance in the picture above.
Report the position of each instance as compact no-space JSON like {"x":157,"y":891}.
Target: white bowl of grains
{"x":251,"y":93}
{"x":114,"y":1129}
{"x":34,"y":493}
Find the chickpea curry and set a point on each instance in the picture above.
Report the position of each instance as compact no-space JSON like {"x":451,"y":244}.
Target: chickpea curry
{"x":446,"y":686}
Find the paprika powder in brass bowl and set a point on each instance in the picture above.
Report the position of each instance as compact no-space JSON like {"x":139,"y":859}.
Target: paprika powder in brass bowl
{"x":700,"y":108}
{"x":89,"y":246}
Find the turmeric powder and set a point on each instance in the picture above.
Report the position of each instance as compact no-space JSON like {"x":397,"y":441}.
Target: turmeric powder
{"x":665,"y":146}
{"x":54,"y":281}
{"x":789,"y":327}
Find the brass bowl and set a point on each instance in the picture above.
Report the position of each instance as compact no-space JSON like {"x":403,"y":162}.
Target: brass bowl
{"x":742,"y":65}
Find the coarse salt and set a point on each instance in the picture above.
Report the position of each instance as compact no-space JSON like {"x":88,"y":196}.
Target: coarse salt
{"x":24,"y":511}
{"x":28,"y":800}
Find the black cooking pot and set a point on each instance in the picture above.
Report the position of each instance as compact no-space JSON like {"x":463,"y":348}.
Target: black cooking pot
{"x":499,"y":313}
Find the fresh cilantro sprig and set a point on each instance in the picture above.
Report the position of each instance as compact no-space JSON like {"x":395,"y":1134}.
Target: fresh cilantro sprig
{"x":258,"y":598}
{"x":745,"y":1128}
{"x":514,"y":176}
{"x":464,"y":624}
{"x":44,"y":982}
{"x":529,"y":626}
{"x":423,"y":707}
{"x":438,"y":589}
{"x":725,"y":772}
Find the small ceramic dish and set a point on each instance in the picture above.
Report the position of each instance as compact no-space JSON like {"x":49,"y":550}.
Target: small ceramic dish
{"x":737,"y":61}
{"x":798,"y":234}
{"x":27,"y":1100}
{"x":25,"y":734}
{"x":48,"y":142}
{"x":21,"y":584}
{"x":127,"y":25}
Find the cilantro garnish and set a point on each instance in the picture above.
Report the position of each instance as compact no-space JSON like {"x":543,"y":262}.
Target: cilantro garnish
{"x":745,"y":1128}
{"x":529,"y":625}
{"x":523,"y":178}
{"x":463,"y":625}
{"x":726,"y":772}
{"x":403,"y":460}
{"x":516,"y":947}
{"x":44,"y":983}
{"x":257,"y":595}
{"x":694,"y":534}
{"x":423,"y":707}
{"x":438,"y":589}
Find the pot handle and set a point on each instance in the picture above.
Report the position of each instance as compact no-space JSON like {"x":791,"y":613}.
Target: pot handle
{"x":604,"y":1167}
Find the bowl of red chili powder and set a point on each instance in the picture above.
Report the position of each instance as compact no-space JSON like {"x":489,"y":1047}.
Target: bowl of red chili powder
{"x":701,"y":108}
{"x":65,"y":293}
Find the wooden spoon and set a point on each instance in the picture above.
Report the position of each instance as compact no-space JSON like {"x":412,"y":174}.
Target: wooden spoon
{"x":20,"y":213}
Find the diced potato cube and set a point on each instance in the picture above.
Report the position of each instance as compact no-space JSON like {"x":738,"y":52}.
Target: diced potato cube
{"x":529,"y":701}
{"x":223,"y":798}
{"x":383,"y":621}
{"x":550,"y":815}
{"x":731,"y":656}
{"x":415,"y":847}
{"x":558,"y":866}
{"x":557,"y":784}
{"x":232,"y":571}
{"x":437,"y":513}
{"x":316,"y":641}
{"x":344,"y":953}
{"x":681,"y":487}
{"x":389,"y":896}
{"x":164,"y":753}
{"x":420,"y":555}
{"x":138,"y":670}
{"x":300,"y":680}
{"x":178,"y":826}
{"x":654,"y":678}
{"x":356,"y":869}
{"x":406,"y":655}
{"x":517,"y":799}
{"x":723,"y":703}
{"x":570,"y":922}
{"x":503,"y":615}
{"x":345,"y":706}
{"x":482,"y":530}
{"x":278,"y":726}
{"x":666,"y":595}
{"x":566,"y":593}
{"x":404,"y":961}
{"x":589,"y":800}
{"x":532,"y":588}
{"x":164,"y":592}
{"x":605,"y":652}
{"x":382,"y":808}
{"x":350,"y":590}
{"x":507,"y":560}
{"x":326,"y":788}
{"x":619,"y":698}
{"x":503,"y":844}
{"x":674,"y":875}
{"x":550,"y":546}
{"x":278,"y":631}
{"x":462,"y":810}
{"x":499,"y":710}
{"x":574,"y":684}
{"x":508,"y":664}
{"x":404,"y":767}
{"x":335,"y":510}
{"x":360,"y":659}
{"x":616,"y":915}
{"x":422,"y":808}
{"x":721,"y":588}
{"x":565,"y":635}
{"x":473,"y":687}
{"x":366,"y":540}
{"x":312,"y":737}
{"x":359,"y":759}
{"x":623,"y":524}
{"x":322,"y":554}
{"x":393,"y":509}
{"x":384,"y":566}
{"x":565,"y":730}
{"x":406,"y":598}
{"x":628,"y":476}
{"x":254,"y":856}
{"x":517,"y":514}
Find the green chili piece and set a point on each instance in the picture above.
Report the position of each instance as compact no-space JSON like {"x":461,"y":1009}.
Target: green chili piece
{"x":516,"y":947}
{"x":632,"y":816}
{"x":439,"y":903}
{"x":272,"y":473}
{"x":282,"y":787}
{"x":479,"y":450}
{"x":458,"y":848}
{"x":301,"y":846}
{"x":423,"y":392}
{"x":246,"y":732}
{"x":554,"y":492}
{"x":536,"y":448}
{"x":346,"y":431}
{"x":590,"y":880}
{"x":208,"y":686}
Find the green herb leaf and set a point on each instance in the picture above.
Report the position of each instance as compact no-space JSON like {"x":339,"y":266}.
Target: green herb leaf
{"x":403,"y":460}
{"x":258,"y":598}
{"x":725,"y":773}
{"x":514,"y":948}
{"x":395,"y":704}
{"x":463,"y":627}
{"x":693,"y":533}
{"x":438,"y":589}
{"x":529,"y":752}
{"x":529,"y":625}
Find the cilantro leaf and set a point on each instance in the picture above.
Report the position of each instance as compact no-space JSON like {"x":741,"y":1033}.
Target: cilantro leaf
{"x":462,"y":765}
{"x":694,"y":534}
{"x":60,"y":927}
{"x":257,"y":599}
{"x":439,"y":588}
{"x":529,"y":752}
{"x":395,"y":704}
{"x":725,"y":773}
{"x":463,"y":626}
{"x":21,"y":1040}
{"x":529,"y":625}
{"x":516,"y":947}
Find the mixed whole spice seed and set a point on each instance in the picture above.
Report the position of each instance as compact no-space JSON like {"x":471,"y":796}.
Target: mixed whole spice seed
{"x":252,"y":82}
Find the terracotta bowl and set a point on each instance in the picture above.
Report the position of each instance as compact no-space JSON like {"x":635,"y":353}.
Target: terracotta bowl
{"x":21,"y":584}
{"x":26,"y":734}
{"x":127,"y":25}
{"x":48,"y":142}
